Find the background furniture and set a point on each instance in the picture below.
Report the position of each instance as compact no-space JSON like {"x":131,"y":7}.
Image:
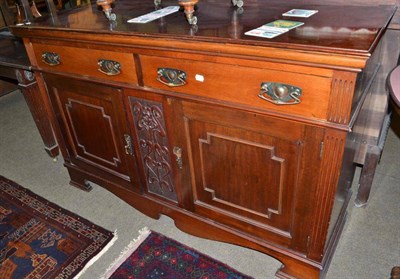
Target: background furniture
{"x":373,"y":121}
{"x":175,"y":120}
{"x":394,"y":87}
{"x":14,"y":65}
{"x":15,"y":68}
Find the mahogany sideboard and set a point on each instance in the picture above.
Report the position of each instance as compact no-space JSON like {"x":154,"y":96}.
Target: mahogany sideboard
{"x":239,"y":139}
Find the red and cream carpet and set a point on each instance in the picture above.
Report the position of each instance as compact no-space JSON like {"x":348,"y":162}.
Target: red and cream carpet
{"x":154,"y":255}
{"x":38,"y":239}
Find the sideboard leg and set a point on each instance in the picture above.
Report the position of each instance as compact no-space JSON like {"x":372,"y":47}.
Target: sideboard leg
{"x":30,"y":90}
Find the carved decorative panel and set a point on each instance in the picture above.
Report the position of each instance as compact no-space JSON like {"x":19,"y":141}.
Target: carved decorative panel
{"x":152,"y":138}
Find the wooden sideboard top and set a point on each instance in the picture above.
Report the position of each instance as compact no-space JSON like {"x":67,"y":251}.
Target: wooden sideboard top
{"x":337,"y":30}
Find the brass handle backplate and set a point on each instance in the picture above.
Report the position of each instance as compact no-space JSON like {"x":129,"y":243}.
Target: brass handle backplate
{"x":51,"y":58}
{"x":171,"y":77}
{"x":128,"y":145}
{"x":109,"y":67}
{"x":280,"y":94}
{"x":238,"y":3}
{"x":178,"y":154}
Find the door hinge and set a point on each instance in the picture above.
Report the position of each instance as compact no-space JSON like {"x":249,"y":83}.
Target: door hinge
{"x":178,"y":154}
{"x":128,"y":145}
{"x":308,"y":242}
{"x":321,"y":149}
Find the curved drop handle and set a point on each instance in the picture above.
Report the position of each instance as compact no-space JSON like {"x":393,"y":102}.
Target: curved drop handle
{"x":280,"y":94}
{"x":171,"y":77}
{"x":51,"y":58}
{"x":178,"y":156}
{"x":109,"y":67}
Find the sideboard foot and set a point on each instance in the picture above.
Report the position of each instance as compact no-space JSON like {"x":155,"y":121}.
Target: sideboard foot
{"x":53,"y":151}
{"x":293,"y":270}
{"x":85,"y":185}
{"x":283,"y":275}
{"x":79,"y":182}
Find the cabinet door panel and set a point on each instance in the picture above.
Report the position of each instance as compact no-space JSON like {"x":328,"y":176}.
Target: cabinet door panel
{"x":262,"y":163}
{"x":93,"y":122}
{"x":154,"y":149}
{"x":250,"y":180}
{"x":99,"y":146}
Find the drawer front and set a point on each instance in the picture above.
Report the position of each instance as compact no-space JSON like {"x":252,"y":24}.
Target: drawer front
{"x":238,"y":84}
{"x":115,"y":66}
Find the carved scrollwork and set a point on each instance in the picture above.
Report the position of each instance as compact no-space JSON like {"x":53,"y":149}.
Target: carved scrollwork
{"x":153,"y":144}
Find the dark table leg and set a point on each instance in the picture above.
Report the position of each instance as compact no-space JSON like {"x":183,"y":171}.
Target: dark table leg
{"x":367,"y":175}
{"x":30,"y":90}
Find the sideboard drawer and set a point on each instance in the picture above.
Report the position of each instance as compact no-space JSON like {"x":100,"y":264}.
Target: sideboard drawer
{"x":115,"y":66}
{"x":238,"y":84}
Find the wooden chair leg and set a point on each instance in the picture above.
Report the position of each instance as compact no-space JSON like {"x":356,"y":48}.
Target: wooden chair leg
{"x":367,"y":177}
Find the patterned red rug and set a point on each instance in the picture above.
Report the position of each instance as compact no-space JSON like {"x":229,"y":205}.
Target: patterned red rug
{"x":38,"y":239}
{"x":154,"y":255}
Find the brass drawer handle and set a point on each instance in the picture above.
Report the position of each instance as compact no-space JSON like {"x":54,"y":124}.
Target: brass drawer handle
{"x":280,"y":94}
{"x":128,"y":145}
{"x":238,"y":3}
{"x":51,"y":58}
{"x":109,"y":67}
{"x":171,"y":77}
{"x":178,"y":156}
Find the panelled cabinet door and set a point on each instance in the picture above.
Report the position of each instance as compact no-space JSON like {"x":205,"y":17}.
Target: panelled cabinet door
{"x":157,"y":137}
{"x":93,"y":123}
{"x":249,"y":172}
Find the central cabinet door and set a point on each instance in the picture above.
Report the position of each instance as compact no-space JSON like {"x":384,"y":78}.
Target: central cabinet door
{"x":253,"y":173}
{"x":156,"y":125}
{"x":94,"y":125}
